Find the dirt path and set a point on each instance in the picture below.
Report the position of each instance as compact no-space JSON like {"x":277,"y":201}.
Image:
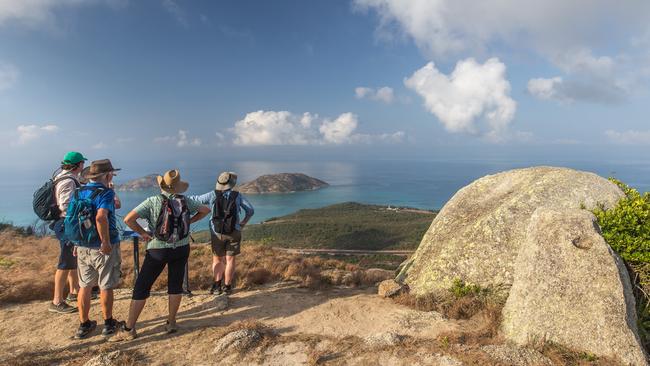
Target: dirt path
{"x":30,"y":330}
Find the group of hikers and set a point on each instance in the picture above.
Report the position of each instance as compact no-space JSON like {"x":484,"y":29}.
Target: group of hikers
{"x":81,"y":203}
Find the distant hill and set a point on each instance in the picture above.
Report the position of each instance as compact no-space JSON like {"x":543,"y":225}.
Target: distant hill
{"x":282,"y":183}
{"x":343,"y":226}
{"x":146,"y":182}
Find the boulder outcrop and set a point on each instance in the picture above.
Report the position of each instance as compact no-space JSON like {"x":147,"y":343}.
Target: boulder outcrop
{"x":477,"y":235}
{"x":570,"y":288}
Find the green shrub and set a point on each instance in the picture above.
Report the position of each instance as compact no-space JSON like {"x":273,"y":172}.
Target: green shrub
{"x":462,"y":289}
{"x":626,"y":228}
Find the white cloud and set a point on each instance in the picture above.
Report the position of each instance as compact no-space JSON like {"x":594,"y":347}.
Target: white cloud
{"x":176,"y":11}
{"x":99,"y":146}
{"x":472,"y":93}
{"x":565,"y":33}
{"x":630,"y":137}
{"x":182,"y":139}
{"x":27,"y":133}
{"x":286,"y":128}
{"x":384,"y":94}
{"x":339,"y":130}
{"x":8,"y":75}
{"x":37,"y":12}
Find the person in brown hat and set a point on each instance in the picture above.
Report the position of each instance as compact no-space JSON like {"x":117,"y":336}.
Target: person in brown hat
{"x":171,"y":214}
{"x":98,"y":256}
{"x":225,"y":229}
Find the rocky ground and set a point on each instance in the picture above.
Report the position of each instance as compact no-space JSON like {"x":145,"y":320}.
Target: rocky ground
{"x":277,"y":324}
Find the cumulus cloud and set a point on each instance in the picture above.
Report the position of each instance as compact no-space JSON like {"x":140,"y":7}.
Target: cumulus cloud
{"x":27,"y":133}
{"x":286,"y":128}
{"x":383,"y":94}
{"x":471,"y":94}
{"x":37,"y":12}
{"x":182,"y":139}
{"x":630,"y":137}
{"x":8,"y":76}
{"x":565,"y":33}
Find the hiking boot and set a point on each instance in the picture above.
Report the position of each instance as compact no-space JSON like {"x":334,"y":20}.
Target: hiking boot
{"x":216,"y":288}
{"x":71,"y":298}
{"x":227,"y":289}
{"x":170,"y":328}
{"x":85,"y":329}
{"x":110,"y":327}
{"x":123,"y":335}
{"x":61,"y":308}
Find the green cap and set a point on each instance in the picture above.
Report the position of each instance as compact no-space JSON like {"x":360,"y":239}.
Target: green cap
{"x":73,"y":157}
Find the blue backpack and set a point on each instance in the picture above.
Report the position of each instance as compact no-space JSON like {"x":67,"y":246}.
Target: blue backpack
{"x":79,"y":224}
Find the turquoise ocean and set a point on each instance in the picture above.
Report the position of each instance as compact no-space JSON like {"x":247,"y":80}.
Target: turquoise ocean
{"x":419,"y":184}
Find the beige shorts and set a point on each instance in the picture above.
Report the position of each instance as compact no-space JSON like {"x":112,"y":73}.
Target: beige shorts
{"x":95,"y":268}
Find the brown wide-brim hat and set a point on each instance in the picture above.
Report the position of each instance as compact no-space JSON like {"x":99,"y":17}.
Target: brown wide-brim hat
{"x":171,"y":182}
{"x":99,"y":167}
{"x":226,"y":181}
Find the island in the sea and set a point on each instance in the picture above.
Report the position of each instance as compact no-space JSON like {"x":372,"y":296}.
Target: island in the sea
{"x":139,"y":184}
{"x":282,"y":183}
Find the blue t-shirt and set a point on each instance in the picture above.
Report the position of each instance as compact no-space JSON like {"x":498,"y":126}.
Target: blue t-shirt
{"x":105,"y":200}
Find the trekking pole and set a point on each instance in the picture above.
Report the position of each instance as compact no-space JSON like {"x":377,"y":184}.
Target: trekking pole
{"x":136,"y":252}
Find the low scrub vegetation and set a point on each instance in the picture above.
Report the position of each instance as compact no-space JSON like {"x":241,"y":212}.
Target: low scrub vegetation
{"x":344,"y":226}
{"x":626,"y":228}
{"x":28,"y":262}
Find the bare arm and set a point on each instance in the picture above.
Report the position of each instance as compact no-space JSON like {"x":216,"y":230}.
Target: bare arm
{"x":131,"y":221}
{"x":202,"y":212}
{"x":101,"y":220}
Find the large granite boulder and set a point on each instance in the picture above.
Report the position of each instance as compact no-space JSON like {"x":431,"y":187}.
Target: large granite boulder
{"x":477,"y":235}
{"x":570,"y":288}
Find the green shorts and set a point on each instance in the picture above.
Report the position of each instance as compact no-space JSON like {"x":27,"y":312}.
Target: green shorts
{"x":226,"y":244}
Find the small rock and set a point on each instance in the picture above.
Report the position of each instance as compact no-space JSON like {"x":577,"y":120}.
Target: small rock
{"x":104,"y":359}
{"x":390,"y":288}
{"x":517,"y":356}
{"x":376,"y":275}
{"x":383,"y":339}
{"x":219,"y":302}
{"x":238,"y":340}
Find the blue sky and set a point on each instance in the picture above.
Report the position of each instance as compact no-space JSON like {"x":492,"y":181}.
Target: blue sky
{"x":420,"y":79}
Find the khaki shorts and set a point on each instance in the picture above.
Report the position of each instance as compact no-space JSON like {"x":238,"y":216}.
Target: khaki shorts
{"x":225,"y":244}
{"x":95,"y":268}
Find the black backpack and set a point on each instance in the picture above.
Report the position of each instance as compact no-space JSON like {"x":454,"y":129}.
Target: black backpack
{"x":225,"y":212}
{"x":44,"y":202}
{"x":173,"y":225}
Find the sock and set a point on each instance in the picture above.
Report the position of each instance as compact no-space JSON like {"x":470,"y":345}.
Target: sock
{"x":86,"y":324}
{"x":218,"y":283}
{"x":109,"y":321}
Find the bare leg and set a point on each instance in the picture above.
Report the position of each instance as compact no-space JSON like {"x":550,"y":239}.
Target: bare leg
{"x":230,"y":269}
{"x":106,"y":299}
{"x":174,"y":304}
{"x":59,"y":285}
{"x":83,"y":302}
{"x":73,"y":281}
{"x":218,"y":267}
{"x":134,"y":312}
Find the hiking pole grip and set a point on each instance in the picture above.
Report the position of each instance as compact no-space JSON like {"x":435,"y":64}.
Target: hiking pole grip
{"x":136,"y":258}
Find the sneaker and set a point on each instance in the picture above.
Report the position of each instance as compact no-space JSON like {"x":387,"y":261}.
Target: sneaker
{"x":122,"y":335}
{"x":85,"y":329}
{"x":227,"y":289}
{"x":170,"y":328}
{"x":187,"y":293}
{"x":216,"y":288}
{"x":61,"y":308}
{"x":71,"y":298}
{"x":110,"y":326}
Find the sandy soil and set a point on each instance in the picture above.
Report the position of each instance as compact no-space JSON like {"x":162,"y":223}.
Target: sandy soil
{"x":296,"y":314}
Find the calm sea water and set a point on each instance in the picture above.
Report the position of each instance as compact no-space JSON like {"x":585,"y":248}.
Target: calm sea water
{"x":421,"y":184}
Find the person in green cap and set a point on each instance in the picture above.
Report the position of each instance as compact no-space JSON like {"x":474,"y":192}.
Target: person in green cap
{"x":65,"y":182}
